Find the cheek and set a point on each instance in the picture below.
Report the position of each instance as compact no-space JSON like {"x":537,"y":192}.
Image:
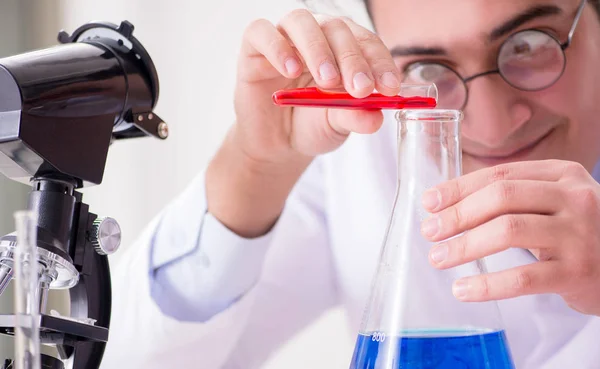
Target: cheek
{"x":580,"y":91}
{"x":576,"y":97}
{"x":570,"y":96}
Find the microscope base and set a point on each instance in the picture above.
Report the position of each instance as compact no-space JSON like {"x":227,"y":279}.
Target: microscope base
{"x":56,"y":330}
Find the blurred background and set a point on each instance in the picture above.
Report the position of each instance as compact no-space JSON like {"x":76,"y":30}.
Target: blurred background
{"x":194,"y":46}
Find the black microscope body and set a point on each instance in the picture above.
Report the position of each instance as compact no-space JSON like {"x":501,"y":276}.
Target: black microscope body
{"x":60,"y":110}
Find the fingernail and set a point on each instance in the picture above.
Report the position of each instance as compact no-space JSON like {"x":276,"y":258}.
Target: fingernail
{"x":292,"y":66}
{"x":327,"y":71}
{"x":361,"y":81}
{"x":430,"y":226}
{"x":461,"y":289}
{"x":388,"y":79}
{"x":439,"y":253}
{"x":432,"y":198}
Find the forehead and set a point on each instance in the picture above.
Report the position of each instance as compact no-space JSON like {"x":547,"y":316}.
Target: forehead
{"x":447,"y":21}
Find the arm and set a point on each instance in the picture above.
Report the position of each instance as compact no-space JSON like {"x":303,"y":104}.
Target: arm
{"x":294,"y":286}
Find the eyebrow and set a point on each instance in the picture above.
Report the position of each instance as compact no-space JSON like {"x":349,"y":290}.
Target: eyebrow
{"x":417,"y":50}
{"x":538,"y":11}
{"x":528,"y":15}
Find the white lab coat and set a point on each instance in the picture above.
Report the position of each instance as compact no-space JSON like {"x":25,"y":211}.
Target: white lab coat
{"x":323,"y":252}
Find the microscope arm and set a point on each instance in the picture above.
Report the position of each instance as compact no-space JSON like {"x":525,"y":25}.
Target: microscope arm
{"x":91,"y":297}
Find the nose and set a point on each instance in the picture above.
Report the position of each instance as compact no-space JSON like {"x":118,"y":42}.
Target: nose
{"x":494,"y":112}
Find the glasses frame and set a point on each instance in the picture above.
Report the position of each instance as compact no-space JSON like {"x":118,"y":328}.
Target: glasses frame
{"x":563,"y":47}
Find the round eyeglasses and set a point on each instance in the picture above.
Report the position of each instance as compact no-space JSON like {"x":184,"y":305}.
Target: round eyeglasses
{"x":529,"y":60}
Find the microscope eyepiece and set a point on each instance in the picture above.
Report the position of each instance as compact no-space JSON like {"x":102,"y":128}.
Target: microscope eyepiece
{"x":98,"y":85}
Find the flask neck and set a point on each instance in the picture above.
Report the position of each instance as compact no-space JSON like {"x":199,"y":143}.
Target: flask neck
{"x":428,"y":151}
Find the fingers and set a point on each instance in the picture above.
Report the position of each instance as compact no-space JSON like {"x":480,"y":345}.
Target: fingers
{"x":528,"y":231}
{"x":305,"y":33}
{"x":379,"y":58}
{"x":357,"y":76}
{"x":453,"y":191}
{"x":536,"y":278}
{"x":263,"y":39}
{"x":337,"y":52}
{"x":501,"y":197}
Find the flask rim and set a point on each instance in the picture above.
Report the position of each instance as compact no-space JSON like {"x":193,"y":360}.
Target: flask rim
{"x":437,"y":115}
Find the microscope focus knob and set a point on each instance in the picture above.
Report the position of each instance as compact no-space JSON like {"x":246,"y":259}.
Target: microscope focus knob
{"x":105,"y":235}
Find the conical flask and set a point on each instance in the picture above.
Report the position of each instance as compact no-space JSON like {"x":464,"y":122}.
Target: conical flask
{"x":412,"y":320}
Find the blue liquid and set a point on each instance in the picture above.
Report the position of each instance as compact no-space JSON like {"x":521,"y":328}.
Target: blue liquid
{"x":433,"y":350}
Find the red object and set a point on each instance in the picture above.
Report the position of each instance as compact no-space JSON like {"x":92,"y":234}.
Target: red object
{"x":315,"y":97}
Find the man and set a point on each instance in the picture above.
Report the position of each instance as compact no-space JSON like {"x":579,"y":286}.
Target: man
{"x":289,"y":216}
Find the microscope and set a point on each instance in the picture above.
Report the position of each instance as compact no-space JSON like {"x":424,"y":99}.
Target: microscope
{"x":60,"y":110}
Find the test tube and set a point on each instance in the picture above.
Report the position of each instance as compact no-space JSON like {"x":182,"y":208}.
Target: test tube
{"x":27,"y":316}
{"x":411,"y":96}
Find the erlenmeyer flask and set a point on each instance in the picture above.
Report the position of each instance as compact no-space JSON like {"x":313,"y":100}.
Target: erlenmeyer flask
{"x":412,"y":319}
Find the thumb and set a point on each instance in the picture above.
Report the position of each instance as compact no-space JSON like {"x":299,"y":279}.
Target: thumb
{"x":344,"y":121}
{"x":324,"y":130}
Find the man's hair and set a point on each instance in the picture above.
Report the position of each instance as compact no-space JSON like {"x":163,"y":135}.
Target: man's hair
{"x":594,"y":3}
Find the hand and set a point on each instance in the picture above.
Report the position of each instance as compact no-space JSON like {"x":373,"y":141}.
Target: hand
{"x":331,"y":53}
{"x":550,"y":207}
{"x":269,"y":147}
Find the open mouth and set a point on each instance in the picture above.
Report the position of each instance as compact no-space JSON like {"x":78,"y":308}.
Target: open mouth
{"x":511,"y":156}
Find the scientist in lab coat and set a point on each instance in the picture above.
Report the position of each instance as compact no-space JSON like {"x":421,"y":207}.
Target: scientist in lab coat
{"x":288,"y":218}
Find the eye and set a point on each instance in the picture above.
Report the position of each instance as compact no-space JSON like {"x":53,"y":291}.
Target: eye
{"x":426,"y":72}
{"x":531,"y":59}
{"x":527,"y":44}
{"x":522,"y":48}
{"x":451,"y":89}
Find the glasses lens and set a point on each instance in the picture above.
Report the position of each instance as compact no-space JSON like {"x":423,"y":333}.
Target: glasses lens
{"x":452,"y":92}
{"x":531,"y":60}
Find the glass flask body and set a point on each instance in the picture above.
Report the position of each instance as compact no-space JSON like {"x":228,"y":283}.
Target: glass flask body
{"x":412,"y":319}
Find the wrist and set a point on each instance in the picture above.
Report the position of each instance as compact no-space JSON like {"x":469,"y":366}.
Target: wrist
{"x":246,"y":194}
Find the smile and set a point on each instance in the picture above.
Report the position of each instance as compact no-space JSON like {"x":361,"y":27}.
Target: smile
{"x":513,"y":155}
